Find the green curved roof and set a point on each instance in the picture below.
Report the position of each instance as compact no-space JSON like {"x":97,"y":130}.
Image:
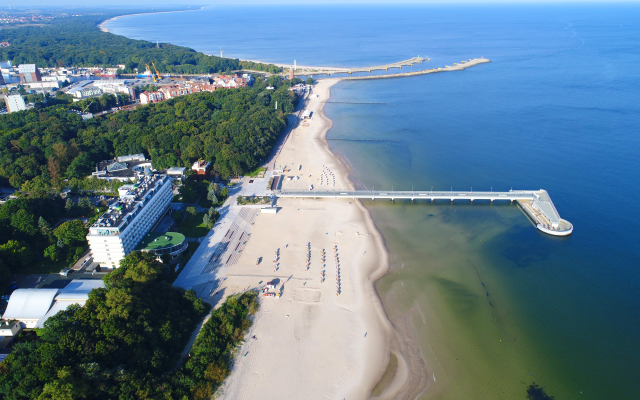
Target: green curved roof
{"x":158,"y":241}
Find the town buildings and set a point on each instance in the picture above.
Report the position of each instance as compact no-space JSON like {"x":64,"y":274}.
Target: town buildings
{"x":124,"y":168}
{"x":29,"y":73}
{"x":15,"y":103}
{"x":118,"y":231}
{"x":49,"y":84}
{"x":116,"y":86}
{"x":151,"y":97}
{"x":188,"y":87}
{"x":201,"y":167}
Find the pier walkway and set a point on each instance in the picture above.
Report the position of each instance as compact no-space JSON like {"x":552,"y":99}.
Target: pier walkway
{"x":536,"y":203}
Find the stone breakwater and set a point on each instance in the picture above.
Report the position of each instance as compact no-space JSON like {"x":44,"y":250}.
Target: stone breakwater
{"x":455,"y":67}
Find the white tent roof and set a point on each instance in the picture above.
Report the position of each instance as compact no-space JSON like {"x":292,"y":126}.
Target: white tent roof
{"x":75,"y":296}
{"x":40,"y":304}
{"x":29,"y":303}
{"x":58,"y":306}
{"x":83,"y":285}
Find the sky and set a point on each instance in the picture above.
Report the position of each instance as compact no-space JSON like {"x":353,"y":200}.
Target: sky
{"x":164,"y":3}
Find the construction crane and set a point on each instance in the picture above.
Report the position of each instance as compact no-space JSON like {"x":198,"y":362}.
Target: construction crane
{"x":151,"y":73}
{"x":85,"y":109}
{"x":155,"y":69}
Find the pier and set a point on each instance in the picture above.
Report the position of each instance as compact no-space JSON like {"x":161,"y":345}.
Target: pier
{"x":535,"y":203}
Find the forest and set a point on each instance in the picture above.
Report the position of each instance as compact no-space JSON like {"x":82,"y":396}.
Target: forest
{"x":126,"y":341}
{"x":78,"y":42}
{"x":49,"y":148}
{"x":234,"y":129}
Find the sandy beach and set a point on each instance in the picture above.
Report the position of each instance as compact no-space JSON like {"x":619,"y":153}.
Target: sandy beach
{"x":104,"y":29}
{"x":320,"y":339}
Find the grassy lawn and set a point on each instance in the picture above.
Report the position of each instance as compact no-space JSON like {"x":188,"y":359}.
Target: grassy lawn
{"x":193,"y":226}
{"x":258,"y":171}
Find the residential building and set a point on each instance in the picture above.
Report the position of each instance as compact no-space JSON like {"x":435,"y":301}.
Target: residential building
{"x":86,"y":92}
{"x":119,"y":89}
{"x":175,"y":91}
{"x":118,"y":231}
{"x":15,"y":103}
{"x":201,"y":167}
{"x":248,"y":78}
{"x":29,"y":73}
{"x":51,"y":84}
{"x":116,"y":86}
{"x":151,"y":97}
{"x":229,"y":82}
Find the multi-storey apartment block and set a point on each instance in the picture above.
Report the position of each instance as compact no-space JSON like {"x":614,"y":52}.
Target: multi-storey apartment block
{"x":118,"y":231}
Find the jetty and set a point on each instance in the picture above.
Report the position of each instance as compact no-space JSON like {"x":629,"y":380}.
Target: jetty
{"x":447,"y":68}
{"x":535,"y":203}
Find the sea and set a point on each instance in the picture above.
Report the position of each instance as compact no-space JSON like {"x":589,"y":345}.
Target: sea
{"x":494,"y":304}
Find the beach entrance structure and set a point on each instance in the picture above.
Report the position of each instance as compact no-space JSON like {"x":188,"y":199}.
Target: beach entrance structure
{"x":535,"y":203}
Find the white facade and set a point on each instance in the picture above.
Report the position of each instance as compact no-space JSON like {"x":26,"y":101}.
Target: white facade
{"x":116,"y":89}
{"x":151,"y":97}
{"x":44,"y":85}
{"x":88,"y":92}
{"x":117,"y":232}
{"x":15,"y":103}
{"x":32,"y":307}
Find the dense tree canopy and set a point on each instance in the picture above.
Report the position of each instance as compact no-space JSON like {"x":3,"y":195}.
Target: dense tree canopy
{"x":77,"y":41}
{"x":233,"y":128}
{"x":126,"y":339}
{"x":26,"y":234}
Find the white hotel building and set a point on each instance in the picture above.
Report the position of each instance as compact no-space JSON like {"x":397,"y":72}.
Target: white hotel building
{"x":118,"y":231}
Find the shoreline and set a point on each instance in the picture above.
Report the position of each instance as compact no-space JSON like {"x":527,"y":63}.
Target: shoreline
{"x":334,"y":337}
{"x":404,"y":381}
{"x":103,"y":29}
{"x":409,"y":378}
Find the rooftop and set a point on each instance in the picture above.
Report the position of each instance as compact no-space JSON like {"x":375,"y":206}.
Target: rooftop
{"x":40,"y":304}
{"x":157,"y":241}
{"x":129,"y":204}
{"x":26,"y":68}
{"x":176,"y":170}
{"x":123,"y":167}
